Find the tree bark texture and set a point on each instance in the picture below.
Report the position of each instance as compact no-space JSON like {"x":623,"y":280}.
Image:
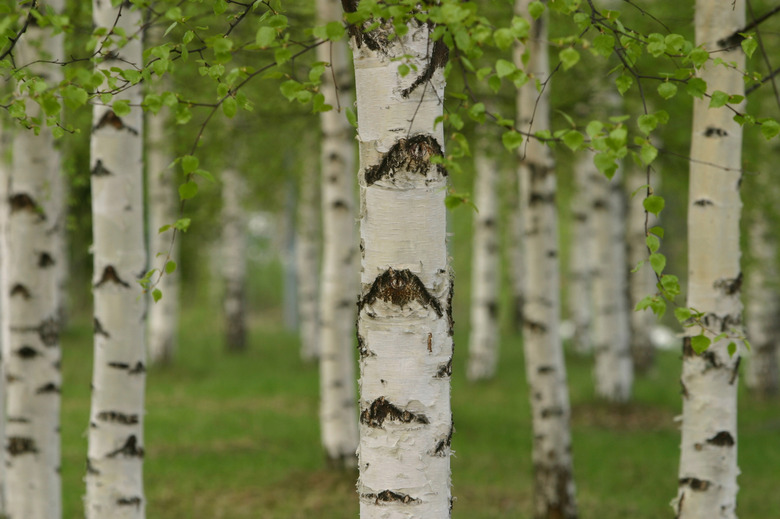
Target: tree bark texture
{"x":339,"y":280}
{"x":31,"y":304}
{"x":4,"y":209}
{"x":485,"y":271}
{"x":116,"y":441}
{"x":582,"y":256}
{"x":233,"y":256}
{"x":405,"y":320}
{"x":708,"y":462}
{"x":642,"y":282}
{"x":554,"y":491}
{"x":515,"y":248}
{"x":307,"y":260}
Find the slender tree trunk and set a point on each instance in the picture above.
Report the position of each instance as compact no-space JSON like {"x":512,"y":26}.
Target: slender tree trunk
{"x":338,"y":290}
{"x":307,"y":259}
{"x":116,"y":442}
{"x":4,"y":209}
{"x":516,"y":250}
{"x":642,"y":282}
{"x":581,"y":259}
{"x":554,"y":493}
{"x":31,"y":302}
{"x":405,"y":321}
{"x":234,"y":244}
{"x":708,"y":461}
{"x":763,"y":309}
{"x":290,"y":300}
{"x":485,"y":271}
{"x":163,"y":210}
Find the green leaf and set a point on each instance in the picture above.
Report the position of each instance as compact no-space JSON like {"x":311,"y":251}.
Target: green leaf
{"x":638,"y":267}
{"x":699,"y":56}
{"x":403,"y":69}
{"x":183,"y":224}
{"x":205,"y":174}
{"x":573,"y":139}
{"x":189,"y":163}
{"x":536,"y":9}
{"x":682,"y":314}
{"x":647,"y":123}
{"x":504,"y":67}
{"x":653,"y":204}
{"x":265,"y":36}
{"x":511,"y":139}
{"x":647,"y":153}
{"x":732,"y":347}
{"x":653,"y":243}
{"x":769,"y":128}
{"x":335,"y":31}
{"x":718,"y":99}
{"x":624,"y":82}
{"x":749,"y":45}
{"x":121,"y":108}
{"x":156,"y":294}
{"x":229,"y":107}
{"x":351,"y":117}
{"x":605,"y":163}
{"x":74,"y":96}
{"x":504,"y":38}
{"x":290,"y":89}
{"x":667,"y":90}
{"x":700,"y":343}
{"x":670,"y":285}
{"x":569,"y":57}
{"x":594,"y":128}
{"x":658,"y":231}
{"x":603,"y":44}
{"x":494,"y":82}
{"x":696,"y":87}
{"x":188,"y":190}
{"x":170,"y":267}
{"x":658,"y":262}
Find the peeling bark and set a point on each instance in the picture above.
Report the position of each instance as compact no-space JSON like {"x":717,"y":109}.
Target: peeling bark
{"x":116,"y":413}
{"x":708,"y":453}
{"x":554,"y":492}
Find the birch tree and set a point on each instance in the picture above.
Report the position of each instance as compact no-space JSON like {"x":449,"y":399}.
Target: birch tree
{"x":581,"y":259}
{"x":338,"y":290}
{"x":4,"y":176}
{"x":116,"y":441}
{"x":31,"y":282}
{"x":708,"y":461}
{"x":404,"y":321}
{"x":554,"y":493}
{"x":233,"y":257}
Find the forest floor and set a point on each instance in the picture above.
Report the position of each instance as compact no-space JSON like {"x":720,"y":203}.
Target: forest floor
{"x":233,"y":436}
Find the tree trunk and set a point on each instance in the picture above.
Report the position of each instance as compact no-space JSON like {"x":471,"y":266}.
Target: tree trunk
{"x":163,"y":210}
{"x":116,"y":442}
{"x":581,"y":258}
{"x":307,"y":260}
{"x":405,"y":321}
{"x":31,"y":304}
{"x":515,"y":249}
{"x":234,"y":244}
{"x":4,"y":209}
{"x":641,"y":283}
{"x":554,"y":493}
{"x":485,"y":271}
{"x":338,"y":290}
{"x":708,"y":461}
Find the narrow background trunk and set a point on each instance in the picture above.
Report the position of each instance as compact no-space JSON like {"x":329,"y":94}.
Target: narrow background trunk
{"x":581,"y":257}
{"x":233,"y":257}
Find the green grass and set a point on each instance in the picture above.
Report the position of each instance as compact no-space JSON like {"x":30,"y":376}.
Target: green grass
{"x":236,"y":436}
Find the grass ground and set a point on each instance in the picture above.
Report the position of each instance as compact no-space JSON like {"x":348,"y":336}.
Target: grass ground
{"x":236,"y":436}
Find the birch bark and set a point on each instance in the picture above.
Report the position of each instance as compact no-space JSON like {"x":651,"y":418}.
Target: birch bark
{"x":483,"y":338}
{"x":338,"y":290}
{"x":581,"y":260}
{"x":708,"y":461}
{"x":307,"y":261}
{"x":554,"y":493}
{"x":404,"y":321}
{"x":516,"y":248}
{"x":233,"y":255}
{"x":31,"y":320}
{"x":116,"y":442}
{"x":4,"y":208}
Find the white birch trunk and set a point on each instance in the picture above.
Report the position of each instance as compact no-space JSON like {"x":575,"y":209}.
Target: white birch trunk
{"x":163,"y":210}
{"x":641,"y":283}
{"x":404,"y":322}
{"x":233,"y":256}
{"x":307,"y":260}
{"x":31,"y":321}
{"x":485,"y":271}
{"x":116,"y":442}
{"x":4,"y":209}
{"x":338,"y":289}
{"x":614,"y":374}
{"x":554,"y":492}
{"x":515,"y":249}
{"x":708,"y":461}
{"x":763,"y":309}
{"x":582,"y":256}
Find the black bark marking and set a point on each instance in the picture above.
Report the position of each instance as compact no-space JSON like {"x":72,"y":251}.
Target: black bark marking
{"x":340,"y":204}
{"x":48,"y":388}
{"x":413,"y":155}
{"x":113,"y":120}
{"x":129,"y":501}
{"x":443,"y":445}
{"x":696,"y":484}
{"x":438,"y":58}
{"x":49,"y":331}
{"x":99,"y":330}
{"x":703,"y":202}
{"x":362,"y":349}
{"x":381,"y":410}
{"x":552,"y":411}
{"x":117,"y":417}
{"x":544,"y":370}
{"x":730,"y":286}
{"x":711,"y":131}
{"x":450,"y":319}
{"x":23,"y":202}
{"x":735,"y":371}
{"x":541,"y":198}
{"x":722,"y":439}
{"x":684,"y":390}
{"x":492,"y":308}
{"x":91,"y":469}
{"x":109,"y":274}
{"x":137,"y":369}
{"x":20,"y":290}
{"x":27,"y":352}
{"x":17,"y":419}
{"x":599,"y":203}
{"x":445,"y":370}
{"x":45,"y":260}
{"x":400,"y":287}
{"x":18,"y":445}
{"x":99,"y":170}
{"x":387,"y":496}
{"x":129,"y":449}
{"x":552,"y":253}
{"x":534,"y":326}
{"x":119,"y":365}
{"x":687,"y":350}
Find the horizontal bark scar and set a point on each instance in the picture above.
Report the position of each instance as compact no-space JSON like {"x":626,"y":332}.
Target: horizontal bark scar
{"x":99,"y":170}
{"x":23,"y":202}
{"x":48,"y":388}
{"x":711,"y":131}
{"x":27,"y":352}
{"x":729,"y":286}
{"x":98,"y":328}
{"x":381,"y":410}
{"x":131,"y":370}
{"x":130,"y":449}
{"x":117,"y":417}
{"x":722,"y":439}
{"x":443,"y":445}
{"x":48,"y":331}
{"x":45,"y":260}
{"x":129,"y":501}
{"x":20,"y":290}
{"x":114,"y":121}
{"x":400,"y":287}
{"x":696,"y":484}
{"x":388,"y":496}
{"x":109,"y":274}
{"x":18,"y":445}
{"x":703,"y":202}
{"x":413,"y":155}
{"x":445,"y":370}
{"x":535,"y":326}
{"x":438,"y":59}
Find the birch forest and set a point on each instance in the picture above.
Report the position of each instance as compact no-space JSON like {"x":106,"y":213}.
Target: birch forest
{"x":389,"y":259}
